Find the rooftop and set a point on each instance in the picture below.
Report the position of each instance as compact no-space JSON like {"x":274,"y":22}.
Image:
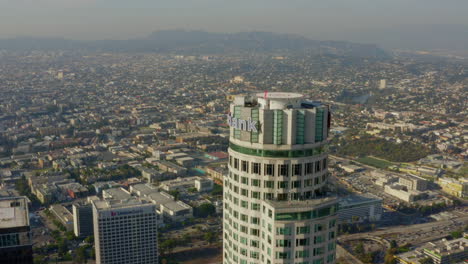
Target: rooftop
{"x":298,"y":206}
{"x":358,"y":199}
{"x":279,"y":95}
{"x":13,"y":212}
{"x":115,"y":204}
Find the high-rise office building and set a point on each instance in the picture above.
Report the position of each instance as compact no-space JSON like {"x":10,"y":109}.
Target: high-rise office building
{"x":15,"y":237}
{"x":276,"y":205}
{"x":125,"y":232}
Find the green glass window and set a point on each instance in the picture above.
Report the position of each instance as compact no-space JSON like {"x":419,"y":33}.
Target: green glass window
{"x":255,"y":118}
{"x":278,"y":127}
{"x":319,"y":125}
{"x":276,"y":153}
{"x":300,"y":120}
{"x":237,"y":112}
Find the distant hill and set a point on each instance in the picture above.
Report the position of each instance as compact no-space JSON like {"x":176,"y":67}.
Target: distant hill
{"x":414,"y":37}
{"x":201,"y":42}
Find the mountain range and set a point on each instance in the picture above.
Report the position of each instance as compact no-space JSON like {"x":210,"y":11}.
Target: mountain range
{"x":201,"y":42}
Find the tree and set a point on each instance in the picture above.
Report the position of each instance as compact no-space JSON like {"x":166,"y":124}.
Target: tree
{"x":89,"y":239}
{"x":168,"y":245}
{"x":427,"y":260}
{"x":456,"y":234}
{"x":81,"y":256}
{"x":205,"y":210}
{"x":217,"y":190}
{"x":210,"y":237}
{"x":39,"y":259}
{"x":62,"y":247}
{"x":359,"y":248}
{"x":70,"y":235}
{"x":175,"y":193}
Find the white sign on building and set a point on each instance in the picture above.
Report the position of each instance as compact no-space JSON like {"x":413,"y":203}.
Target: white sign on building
{"x":246,"y":125}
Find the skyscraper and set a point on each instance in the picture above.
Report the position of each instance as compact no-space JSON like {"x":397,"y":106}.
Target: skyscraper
{"x":276,"y":205}
{"x":82,"y":219}
{"x":125,"y":232}
{"x":15,"y":237}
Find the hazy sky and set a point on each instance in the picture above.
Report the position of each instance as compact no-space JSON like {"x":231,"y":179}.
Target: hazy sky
{"x":319,"y":19}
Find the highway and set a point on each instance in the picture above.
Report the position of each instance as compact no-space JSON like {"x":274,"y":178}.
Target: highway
{"x":415,"y":234}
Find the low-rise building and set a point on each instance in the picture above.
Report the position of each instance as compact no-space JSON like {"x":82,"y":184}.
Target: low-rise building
{"x":167,"y":166}
{"x":458,"y":188}
{"x":116,"y":194}
{"x":441,"y":252}
{"x":63,"y":215}
{"x":217,"y":174}
{"x":359,"y":208}
{"x":402,"y":193}
{"x":447,"y":251}
{"x":167,"y":206}
{"x":413,"y":182}
{"x":200,"y":183}
{"x":350,"y":168}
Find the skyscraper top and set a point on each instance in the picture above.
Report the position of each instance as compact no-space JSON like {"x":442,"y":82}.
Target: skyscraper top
{"x":279,"y":95}
{"x":13,"y":212}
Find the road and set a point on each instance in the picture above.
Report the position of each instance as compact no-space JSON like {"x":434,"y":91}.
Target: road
{"x":415,"y":234}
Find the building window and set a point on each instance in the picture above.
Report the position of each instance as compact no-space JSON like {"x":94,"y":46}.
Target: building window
{"x":245,"y":204}
{"x":283,"y":243}
{"x":255,"y":182}
{"x":302,"y":230}
{"x":282,"y":185}
{"x":268,"y":196}
{"x":302,"y":254}
{"x":283,"y":170}
{"x":269,"y":169}
{"x":256,"y":168}
{"x":255,"y":118}
{"x":283,"y":231}
{"x":309,"y":168}
{"x":282,"y":197}
{"x":236,"y":163}
{"x":317,"y":166}
{"x":237,"y":113}
{"x":256,"y":195}
{"x":245,"y":192}
{"x":255,"y":206}
{"x":278,"y":127}
{"x":319,"y":125}
{"x":282,"y":255}
{"x":297,"y":169}
{"x":245,"y":166}
{"x":300,"y":120}
{"x":245,"y":180}
{"x":269,"y":184}
{"x":296,"y":184}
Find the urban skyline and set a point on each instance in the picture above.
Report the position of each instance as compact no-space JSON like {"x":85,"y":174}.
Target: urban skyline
{"x":187,"y":147}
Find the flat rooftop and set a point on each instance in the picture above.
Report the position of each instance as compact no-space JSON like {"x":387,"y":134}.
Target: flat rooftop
{"x":279,"y":95}
{"x":13,"y":212}
{"x":116,"y":194}
{"x":115,"y":204}
{"x":358,"y":199}
{"x":298,"y":206}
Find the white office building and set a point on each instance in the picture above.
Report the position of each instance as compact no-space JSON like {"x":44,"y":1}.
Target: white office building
{"x":125,"y":232}
{"x":276,"y":205}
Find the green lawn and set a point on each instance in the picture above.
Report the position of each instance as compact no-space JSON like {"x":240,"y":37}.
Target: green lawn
{"x":378,"y":163}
